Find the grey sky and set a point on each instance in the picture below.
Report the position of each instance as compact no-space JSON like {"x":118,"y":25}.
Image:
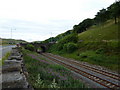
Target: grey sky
{"x":37,"y":19}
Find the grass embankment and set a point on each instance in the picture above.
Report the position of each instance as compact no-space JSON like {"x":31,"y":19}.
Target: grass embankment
{"x":108,"y":61}
{"x":45,"y":74}
{"x":10,"y":41}
{"x":4,"y":58}
{"x":106,"y":31}
{"x":98,"y":45}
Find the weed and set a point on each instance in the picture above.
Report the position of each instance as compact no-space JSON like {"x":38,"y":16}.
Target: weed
{"x":98,"y":57}
{"x":39,"y":83}
{"x":54,"y":84}
{"x":100,"y":51}
{"x":30,"y":47}
{"x":42,"y":75}
{"x":4,"y":58}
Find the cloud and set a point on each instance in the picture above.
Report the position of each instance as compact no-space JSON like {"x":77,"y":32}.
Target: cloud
{"x":22,"y":29}
{"x":36,"y":19}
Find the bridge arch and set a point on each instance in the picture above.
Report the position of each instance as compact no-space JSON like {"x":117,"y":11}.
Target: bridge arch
{"x":39,"y":47}
{"x":43,"y":48}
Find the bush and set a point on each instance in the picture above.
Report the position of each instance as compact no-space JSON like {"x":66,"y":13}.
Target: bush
{"x":100,"y":51}
{"x":63,"y":44}
{"x":29,"y":47}
{"x":113,"y":44}
{"x":69,"y":38}
{"x":70,"y":47}
{"x":59,"y":47}
{"x":83,"y":55}
{"x":65,"y":47}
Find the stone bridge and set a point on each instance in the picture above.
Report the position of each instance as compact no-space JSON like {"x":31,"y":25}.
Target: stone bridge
{"x":43,"y":46}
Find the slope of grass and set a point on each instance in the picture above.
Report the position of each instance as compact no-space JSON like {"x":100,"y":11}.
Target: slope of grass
{"x":106,"y":31}
{"x":103,"y":36}
{"x":94,"y":57}
{"x":9,"y":41}
{"x":98,"y":45}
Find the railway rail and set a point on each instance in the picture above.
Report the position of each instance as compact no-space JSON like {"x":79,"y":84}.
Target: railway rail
{"x":106,"y":73}
{"x":102,"y":77}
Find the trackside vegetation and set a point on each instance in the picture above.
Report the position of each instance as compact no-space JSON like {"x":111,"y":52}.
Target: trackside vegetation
{"x":100,"y":19}
{"x":4,"y":58}
{"x":95,"y":41}
{"x":46,"y":74}
{"x":30,"y":47}
{"x":96,"y":46}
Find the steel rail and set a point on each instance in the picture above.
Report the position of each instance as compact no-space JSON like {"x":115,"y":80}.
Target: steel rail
{"x":111,"y":75}
{"x":99,"y":80}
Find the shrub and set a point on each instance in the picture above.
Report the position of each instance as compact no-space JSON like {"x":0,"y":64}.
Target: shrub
{"x":69,"y":38}
{"x":65,"y":47}
{"x":100,"y":51}
{"x":113,"y":44}
{"x":83,"y":55}
{"x":59,"y":46}
{"x":29,"y":47}
{"x":63,"y":43}
{"x":71,"y":47}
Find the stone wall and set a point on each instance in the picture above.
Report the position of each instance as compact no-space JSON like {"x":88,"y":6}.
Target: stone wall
{"x":13,"y":75}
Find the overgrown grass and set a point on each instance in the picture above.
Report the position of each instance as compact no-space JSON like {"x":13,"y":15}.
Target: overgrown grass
{"x":98,"y":45}
{"x":97,"y":57}
{"x":4,"y":58}
{"x":43,"y":74}
{"x":107,"y":31}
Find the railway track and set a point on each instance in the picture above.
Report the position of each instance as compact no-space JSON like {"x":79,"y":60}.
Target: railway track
{"x":104,"y":78}
{"x":106,"y":73}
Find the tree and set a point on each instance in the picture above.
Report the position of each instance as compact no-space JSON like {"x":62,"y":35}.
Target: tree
{"x":114,"y":10}
{"x":101,"y":16}
{"x":87,"y":23}
{"x":82,"y":26}
{"x":77,"y":28}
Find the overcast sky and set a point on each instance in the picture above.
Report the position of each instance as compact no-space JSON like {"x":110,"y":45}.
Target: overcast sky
{"x":36,"y":20}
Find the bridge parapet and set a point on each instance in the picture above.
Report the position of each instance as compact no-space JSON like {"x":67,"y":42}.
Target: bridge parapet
{"x":43,"y":46}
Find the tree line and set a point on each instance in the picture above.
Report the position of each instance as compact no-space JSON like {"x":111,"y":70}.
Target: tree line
{"x":113,"y":11}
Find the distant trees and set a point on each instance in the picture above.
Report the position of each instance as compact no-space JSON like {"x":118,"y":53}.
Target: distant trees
{"x":69,"y":38}
{"x":58,"y":37}
{"x":83,"y":25}
{"x":51,"y":39}
{"x":29,"y":47}
{"x":113,"y":11}
{"x":101,"y":16}
{"x":72,"y":38}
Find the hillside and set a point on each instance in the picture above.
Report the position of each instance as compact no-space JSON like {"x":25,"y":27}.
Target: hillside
{"x":92,"y":40}
{"x":10,"y":41}
{"x":97,"y":45}
{"x":100,"y":36}
{"x":106,"y":31}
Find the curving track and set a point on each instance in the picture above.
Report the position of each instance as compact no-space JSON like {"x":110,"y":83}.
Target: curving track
{"x":105,"y":78}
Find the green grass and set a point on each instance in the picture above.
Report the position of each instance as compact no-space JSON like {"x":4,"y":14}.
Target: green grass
{"x":43,"y":74}
{"x":108,"y":31}
{"x":98,"y":45}
{"x":4,"y":58}
{"x":94,"y":57}
{"x":7,"y":41}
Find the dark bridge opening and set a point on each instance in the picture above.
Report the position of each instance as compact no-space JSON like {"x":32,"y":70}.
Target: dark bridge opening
{"x":43,"y":48}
